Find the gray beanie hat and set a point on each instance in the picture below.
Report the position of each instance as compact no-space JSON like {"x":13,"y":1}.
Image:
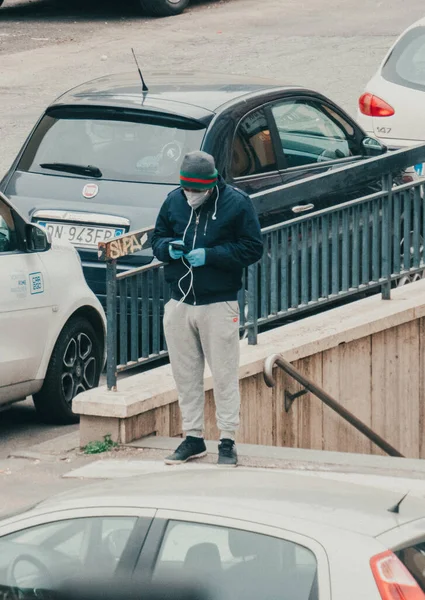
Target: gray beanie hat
{"x":198,"y":171}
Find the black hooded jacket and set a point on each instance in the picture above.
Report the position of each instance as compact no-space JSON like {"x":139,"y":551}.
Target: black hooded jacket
{"x":226,"y":225}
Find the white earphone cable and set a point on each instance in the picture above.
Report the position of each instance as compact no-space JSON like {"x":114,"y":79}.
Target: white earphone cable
{"x":214,"y":217}
{"x":188,"y":266}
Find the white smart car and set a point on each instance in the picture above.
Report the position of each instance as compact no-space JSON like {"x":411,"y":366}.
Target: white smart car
{"x":391,"y":108}
{"x":52,"y":327}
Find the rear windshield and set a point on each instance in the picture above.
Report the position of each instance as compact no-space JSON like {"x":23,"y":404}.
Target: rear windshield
{"x":406,"y":64}
{"x":148,"y":150}
{"x":413,"y":559}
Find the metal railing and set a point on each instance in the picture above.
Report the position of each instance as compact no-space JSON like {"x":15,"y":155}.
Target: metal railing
{"x":353,"y":248}
{"x":343,"y":250}
{"x":276,"y":360}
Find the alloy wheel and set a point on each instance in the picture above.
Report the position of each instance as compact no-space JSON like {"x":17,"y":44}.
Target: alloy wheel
{"x":79,"y":367}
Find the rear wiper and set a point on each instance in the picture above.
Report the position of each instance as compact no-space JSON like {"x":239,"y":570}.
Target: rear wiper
{"x":89,"y":170}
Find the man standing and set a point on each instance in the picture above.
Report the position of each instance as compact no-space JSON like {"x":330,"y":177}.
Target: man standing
{"x":207,"y":232}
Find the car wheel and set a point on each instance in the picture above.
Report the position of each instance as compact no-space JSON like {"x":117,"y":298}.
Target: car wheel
{"x":406,"y":279}
{"x":74,"y":367}
{"x":162,"y":8}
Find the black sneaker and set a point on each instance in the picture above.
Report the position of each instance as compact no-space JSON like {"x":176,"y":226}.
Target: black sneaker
{"x":191,"y":447}
{"x":227,"y":455}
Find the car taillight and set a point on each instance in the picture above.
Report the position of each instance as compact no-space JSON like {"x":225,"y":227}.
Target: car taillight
{"x":393,"y":579}
{"x":373,"y":106}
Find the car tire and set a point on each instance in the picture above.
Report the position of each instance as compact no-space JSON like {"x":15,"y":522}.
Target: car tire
{"x":75,"y":366}
{"x":162,"y":8}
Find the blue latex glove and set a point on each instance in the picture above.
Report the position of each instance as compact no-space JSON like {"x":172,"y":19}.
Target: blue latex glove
{"x":176,"y":254}
{"x":196,"y":257}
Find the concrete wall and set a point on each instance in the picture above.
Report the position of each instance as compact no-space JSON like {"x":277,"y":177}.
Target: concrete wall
{"x":368,"y":355}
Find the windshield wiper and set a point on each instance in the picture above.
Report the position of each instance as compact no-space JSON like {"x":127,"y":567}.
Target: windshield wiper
{"x":89,"y":170}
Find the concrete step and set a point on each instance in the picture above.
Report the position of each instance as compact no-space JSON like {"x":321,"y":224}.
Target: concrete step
{"x":401,"y":475}
{"x":300,"y":458}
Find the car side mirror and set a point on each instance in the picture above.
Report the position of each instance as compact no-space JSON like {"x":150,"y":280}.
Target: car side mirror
{"x":38,"y":239}
{"x":373,"y":147}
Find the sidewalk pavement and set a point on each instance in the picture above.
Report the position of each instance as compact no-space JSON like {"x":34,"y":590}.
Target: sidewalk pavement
{"x":30,"y":475}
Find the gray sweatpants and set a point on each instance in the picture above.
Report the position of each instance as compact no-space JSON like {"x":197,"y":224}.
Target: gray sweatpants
{"x":195,"y":334}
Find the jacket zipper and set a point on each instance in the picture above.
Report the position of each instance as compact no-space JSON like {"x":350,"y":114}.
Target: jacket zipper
{"x":206,"y":224}
{"x":198,"y":218}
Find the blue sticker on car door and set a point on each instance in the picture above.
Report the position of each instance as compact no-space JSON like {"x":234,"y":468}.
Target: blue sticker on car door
{"x":36,"y":283}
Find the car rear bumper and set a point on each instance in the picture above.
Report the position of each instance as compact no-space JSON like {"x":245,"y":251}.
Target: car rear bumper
{"x":398,"y":144}
{"x":95,"y":270}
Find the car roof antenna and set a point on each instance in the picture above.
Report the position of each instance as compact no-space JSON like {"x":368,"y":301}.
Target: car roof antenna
{"x":144,"y":86}
{"x":396,"y":508}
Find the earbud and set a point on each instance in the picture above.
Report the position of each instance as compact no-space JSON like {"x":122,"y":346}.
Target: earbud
{"x":214,"y":218}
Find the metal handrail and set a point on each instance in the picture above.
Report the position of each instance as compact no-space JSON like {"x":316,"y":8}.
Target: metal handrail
{"x":138,"y":270}
{"x":279,"y":361}
{"x":339,"y":178}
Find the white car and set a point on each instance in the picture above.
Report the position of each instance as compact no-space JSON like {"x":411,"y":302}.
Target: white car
{"x":52,"y":327}
{"x":252,"y":534}
{"x":392,"y":106}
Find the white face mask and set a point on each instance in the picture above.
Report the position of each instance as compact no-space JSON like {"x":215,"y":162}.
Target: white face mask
{"x":196,"y":199}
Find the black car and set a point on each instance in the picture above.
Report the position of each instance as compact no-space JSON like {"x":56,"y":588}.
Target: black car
{"x":158,"y":8}
{"x":162,"y":8}
{"x":103,"y":157}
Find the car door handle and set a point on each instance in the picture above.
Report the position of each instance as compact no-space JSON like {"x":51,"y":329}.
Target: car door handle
{"x":302,"y":208}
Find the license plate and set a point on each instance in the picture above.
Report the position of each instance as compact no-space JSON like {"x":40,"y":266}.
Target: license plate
{"x":83,"y":236}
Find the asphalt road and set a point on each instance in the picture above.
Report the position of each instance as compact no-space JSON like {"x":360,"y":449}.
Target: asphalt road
{"x":48,"y":46}
{"x":54,"y":22}
{"x":20,"y":428}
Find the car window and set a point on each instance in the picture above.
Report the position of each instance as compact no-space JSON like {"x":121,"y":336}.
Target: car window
{"x":253,"y":151}
{"x":8,"y":238}
{"x":413,"y":559}
{"x":406,"y":63}
{"x":311,"y":133}
{"x":245,"y":565}
{"x":123,"y":150}
{"x":42,"y":555}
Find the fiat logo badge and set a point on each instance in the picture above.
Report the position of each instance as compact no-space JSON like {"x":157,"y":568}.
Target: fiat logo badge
{"x":90,"y":190}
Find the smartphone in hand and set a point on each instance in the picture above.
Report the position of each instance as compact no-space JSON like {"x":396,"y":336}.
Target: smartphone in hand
{"x":178,"y":246}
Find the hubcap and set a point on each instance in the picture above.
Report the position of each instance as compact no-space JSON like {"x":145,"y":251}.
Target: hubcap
{"x":78,"y":367}
{"x":403,"y":281}
{"x":411,"y":248}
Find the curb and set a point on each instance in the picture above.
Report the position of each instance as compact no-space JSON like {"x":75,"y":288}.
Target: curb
{"x":52,"y":450}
